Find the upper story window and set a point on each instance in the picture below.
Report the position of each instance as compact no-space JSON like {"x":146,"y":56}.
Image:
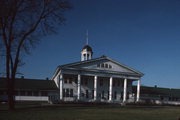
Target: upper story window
{"x":98,"y":65}
{"x":104,"y":65}
{"x":70,"y":80}
{"x":101,"y":82}
{"x":110,"y":66}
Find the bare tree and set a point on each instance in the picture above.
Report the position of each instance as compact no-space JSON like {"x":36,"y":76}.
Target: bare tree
{"x":22,"y":23}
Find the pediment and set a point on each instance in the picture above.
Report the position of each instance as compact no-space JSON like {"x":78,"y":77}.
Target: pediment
{"x":103,"y":64}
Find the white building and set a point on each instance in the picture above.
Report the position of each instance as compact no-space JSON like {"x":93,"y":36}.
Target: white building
{"x":101,"y":79}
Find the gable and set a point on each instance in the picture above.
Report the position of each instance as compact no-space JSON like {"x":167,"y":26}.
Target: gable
{"x":105,"y":64}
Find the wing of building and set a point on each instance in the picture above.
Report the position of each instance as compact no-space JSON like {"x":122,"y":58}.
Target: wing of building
{"x":30,"y":90}
{"x":158,"y":95}
{"x":100,"y":79}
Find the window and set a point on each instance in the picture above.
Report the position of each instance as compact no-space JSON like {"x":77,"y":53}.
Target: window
{"x":29,"y":93}
{"x":87,"y":94}
{"x":110,"y":66}
{"x":108,"y":95}
{"x":114,"y":83}
{"x":65,"y":80}
{"x":115,"y":95}
{"x":22,"y":93}
{"x":16,"y":92}
{"x":82,"y":94}
{"x":121,"y":95}
{"x":70,"y":80}
{"x":92,"y":94}
{"x":67,"y":92}
{"x":75,"y":80}
{"x":118,"y":82}
{"x":35,"y":93}
{"x":102,"y":65}
{"x":127,"y":95}
{"x":161,"y":97}
{"x":1,"y":92}
{"x":44,"y":93}
{"x":102,"y":95}
{"x":82,"y":81}
{"x":101,"y":82}
{"x":129,"y":83}
{"x":71,"y":92}
{"x":86,"y":81}
{"x":64,"y":92}
{"x":98,"y":65}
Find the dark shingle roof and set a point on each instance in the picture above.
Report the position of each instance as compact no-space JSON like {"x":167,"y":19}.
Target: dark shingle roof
{"x":158,"y":91}
{"x":88,"y":48}
{"x":30,"y":84}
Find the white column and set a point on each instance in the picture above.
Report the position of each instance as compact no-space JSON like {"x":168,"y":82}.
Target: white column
{"x":79,"y":87}
{"x":61,"y":86}
{"x":125,"y":90}
{"x":138,"y":90}
{"x":90,"y":56}
{"x":82,"y":57}
{"x":95,"y":88}
{"x":110,"y":88}
{"x":86,"y":56}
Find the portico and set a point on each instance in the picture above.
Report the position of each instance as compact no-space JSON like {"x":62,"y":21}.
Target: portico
{"x":96,"y":87}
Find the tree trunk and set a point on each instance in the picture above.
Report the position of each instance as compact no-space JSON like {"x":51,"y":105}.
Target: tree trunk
{"x":10,"y":95}
{"x":10,"y":82}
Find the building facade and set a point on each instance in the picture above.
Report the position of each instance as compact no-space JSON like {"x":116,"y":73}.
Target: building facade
{"x":101,"y":79}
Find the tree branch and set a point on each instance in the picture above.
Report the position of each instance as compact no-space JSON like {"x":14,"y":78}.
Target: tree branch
{"x":24,"y":37}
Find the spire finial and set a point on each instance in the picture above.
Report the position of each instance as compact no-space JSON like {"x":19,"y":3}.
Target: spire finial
{"x":87,"y":37}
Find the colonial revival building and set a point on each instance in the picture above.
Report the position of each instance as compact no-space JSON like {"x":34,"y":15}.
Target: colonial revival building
{"x":101,"y":79}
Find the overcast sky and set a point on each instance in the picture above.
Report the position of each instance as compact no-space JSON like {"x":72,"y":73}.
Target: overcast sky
{"x":143,"y":34}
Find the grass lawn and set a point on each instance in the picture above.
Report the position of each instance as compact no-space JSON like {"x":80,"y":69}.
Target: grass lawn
{"x":92,"y":113}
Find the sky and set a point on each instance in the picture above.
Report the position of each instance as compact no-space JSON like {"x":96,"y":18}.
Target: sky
{"x":143,"y":34}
